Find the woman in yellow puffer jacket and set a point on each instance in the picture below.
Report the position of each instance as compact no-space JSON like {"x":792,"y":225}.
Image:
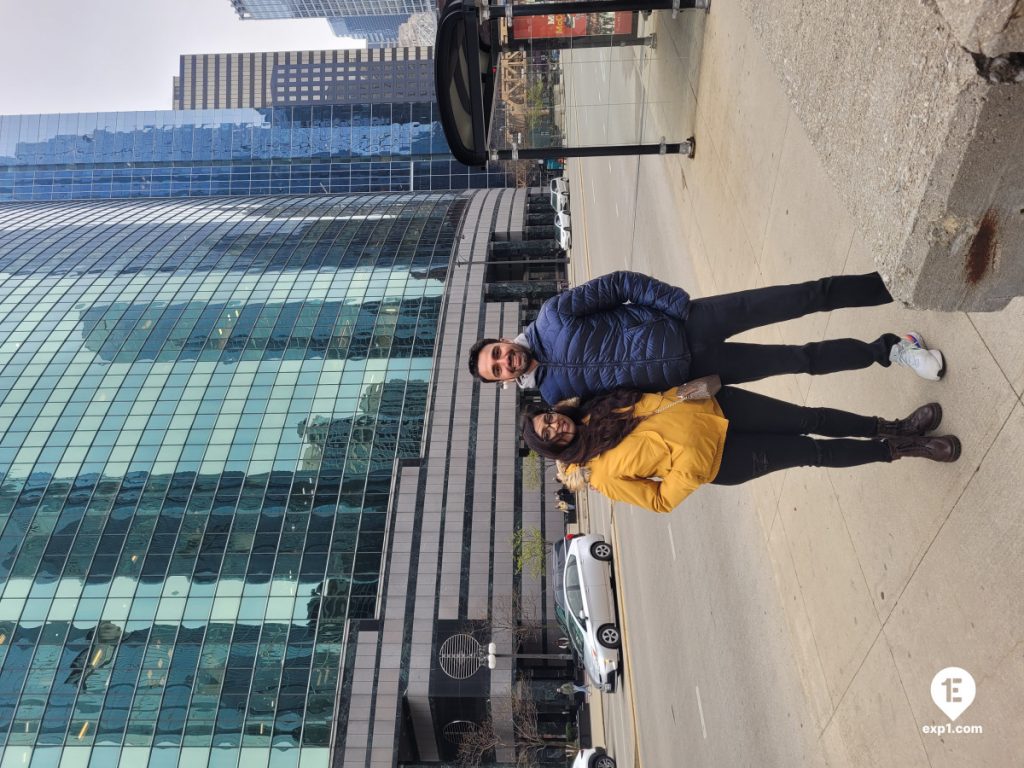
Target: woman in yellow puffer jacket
{"x":654,"y":450}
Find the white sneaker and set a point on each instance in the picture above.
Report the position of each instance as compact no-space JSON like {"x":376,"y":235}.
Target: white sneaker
{"x":910,"y":352}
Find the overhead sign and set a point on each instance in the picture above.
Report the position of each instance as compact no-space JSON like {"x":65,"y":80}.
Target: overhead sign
{"x":573,"y":25}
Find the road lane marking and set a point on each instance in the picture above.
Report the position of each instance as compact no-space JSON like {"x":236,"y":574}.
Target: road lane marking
{"x":672,"y":543}
{"x":584,"y":180}
{"x":700,"y":708}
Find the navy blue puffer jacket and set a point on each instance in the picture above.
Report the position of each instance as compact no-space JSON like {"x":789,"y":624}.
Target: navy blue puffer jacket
{"x":589,"y":340}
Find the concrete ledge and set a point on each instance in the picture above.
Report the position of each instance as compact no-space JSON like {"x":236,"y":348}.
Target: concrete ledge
{"x":965,"y":249}
{"x":991,"y":27}
{"x":923,"y":151}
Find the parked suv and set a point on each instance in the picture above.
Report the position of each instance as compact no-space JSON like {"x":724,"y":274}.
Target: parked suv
{"x":563,"y":223}
{"x":560,"y":194}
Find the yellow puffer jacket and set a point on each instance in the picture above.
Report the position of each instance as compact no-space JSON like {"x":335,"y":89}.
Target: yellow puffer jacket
{"x":675,"y":449}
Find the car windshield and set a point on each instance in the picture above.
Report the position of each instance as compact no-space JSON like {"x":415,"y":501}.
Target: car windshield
{"x":558,"y":571}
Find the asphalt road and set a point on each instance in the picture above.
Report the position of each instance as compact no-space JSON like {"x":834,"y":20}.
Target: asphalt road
{"x":710,"y":677}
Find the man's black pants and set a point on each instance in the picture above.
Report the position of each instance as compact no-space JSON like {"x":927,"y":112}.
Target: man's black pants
{"x":766,"y":435}
{"x":713,"y":320}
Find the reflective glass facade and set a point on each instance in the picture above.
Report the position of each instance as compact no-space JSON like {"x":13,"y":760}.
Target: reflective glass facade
{"x":339,"y":149}
{"x":298,"y":9}
{"x":378,"y":30}
{"x":201,"y":406}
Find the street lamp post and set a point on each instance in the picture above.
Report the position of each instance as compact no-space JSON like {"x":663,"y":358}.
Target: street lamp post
{"x":493,"y":656}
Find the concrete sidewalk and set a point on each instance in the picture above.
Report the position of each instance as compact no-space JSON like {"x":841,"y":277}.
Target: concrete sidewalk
{"x":886,"y":575}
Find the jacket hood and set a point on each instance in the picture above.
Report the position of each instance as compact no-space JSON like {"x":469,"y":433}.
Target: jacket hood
{"x":573,"y":476}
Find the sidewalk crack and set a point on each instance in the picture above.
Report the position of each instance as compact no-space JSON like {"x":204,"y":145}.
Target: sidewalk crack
{"x":945,"y":520}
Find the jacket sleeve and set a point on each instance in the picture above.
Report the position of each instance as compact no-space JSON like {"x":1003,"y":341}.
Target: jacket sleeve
{"x":612,"y":290}
{"x":646,"y":455}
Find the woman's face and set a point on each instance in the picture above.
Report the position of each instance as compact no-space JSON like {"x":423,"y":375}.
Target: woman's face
{"x":554,"y":428}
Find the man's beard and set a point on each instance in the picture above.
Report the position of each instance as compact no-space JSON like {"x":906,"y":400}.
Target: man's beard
{"x":525,"y":359}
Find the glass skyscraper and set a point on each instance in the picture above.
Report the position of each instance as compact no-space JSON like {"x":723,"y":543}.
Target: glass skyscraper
{"x":379,"y":30}
{"x":301,"y":9}
{"x":388,"y":147}
{"x":202,"y":402}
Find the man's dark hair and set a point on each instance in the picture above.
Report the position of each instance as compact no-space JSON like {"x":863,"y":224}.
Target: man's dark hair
{"x":474,"y":353}
{"x":611,"y":420}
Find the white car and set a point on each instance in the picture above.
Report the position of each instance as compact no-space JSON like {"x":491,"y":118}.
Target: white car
{"x":593,"y":758}
{"x":559,"y":194}
{"x":581,"y":579}
{"x":564,"y":224}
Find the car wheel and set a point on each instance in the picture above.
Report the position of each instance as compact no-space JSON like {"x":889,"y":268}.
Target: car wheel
{"x":602,"y":761}
{"x":608,"y":636}
{"x":601,"y":550}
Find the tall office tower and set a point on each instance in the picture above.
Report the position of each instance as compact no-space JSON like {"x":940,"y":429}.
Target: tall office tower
{"x":379,"y":31}
{"x":203,"y":403}
{"x":301,"y":9}
{"x":338,"y":149}
{"x":419,"y":30}
{"x":289,"y":78}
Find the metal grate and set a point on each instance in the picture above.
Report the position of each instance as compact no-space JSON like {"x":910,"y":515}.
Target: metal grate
{"x":456,"y":730}
{"x":459,"y":656}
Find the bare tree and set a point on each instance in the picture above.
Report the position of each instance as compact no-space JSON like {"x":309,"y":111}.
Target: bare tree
{"x":528,"y":740}
{"x":518,"y":615}
{"x":476,"y":745}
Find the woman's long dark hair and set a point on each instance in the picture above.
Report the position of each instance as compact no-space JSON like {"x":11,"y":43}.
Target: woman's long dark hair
{"x":610,"y":420}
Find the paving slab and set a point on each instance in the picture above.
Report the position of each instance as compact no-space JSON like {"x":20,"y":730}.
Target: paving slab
{"x":873,"y":724}
{"x":962,"y":608}
{"x":803,"y":218}
{"x":1000,"y":331}
{"x":835,"y":593}
{"x":893,"y":512}
{"x":801,"y":629}
{"x":747,"y":142}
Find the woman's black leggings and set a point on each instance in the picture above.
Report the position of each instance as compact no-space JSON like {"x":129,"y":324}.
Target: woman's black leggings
{"x":766,"y":435}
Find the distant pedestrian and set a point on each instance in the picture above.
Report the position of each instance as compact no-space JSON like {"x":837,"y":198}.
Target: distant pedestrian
{"x":571,"y":689}
{"x":564,"y":494}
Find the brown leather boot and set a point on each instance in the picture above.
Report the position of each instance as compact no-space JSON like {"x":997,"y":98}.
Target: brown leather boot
{"x":945,"y":448}
{"x":922,"y":421}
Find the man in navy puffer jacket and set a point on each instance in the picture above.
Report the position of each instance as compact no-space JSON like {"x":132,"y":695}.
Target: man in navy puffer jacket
{"x":626,"y":329}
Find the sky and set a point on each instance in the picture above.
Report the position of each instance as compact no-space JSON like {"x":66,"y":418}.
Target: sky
{"x":112,"y":55}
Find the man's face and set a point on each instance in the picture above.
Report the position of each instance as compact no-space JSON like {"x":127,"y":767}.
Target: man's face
{"x":503,"y":361}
